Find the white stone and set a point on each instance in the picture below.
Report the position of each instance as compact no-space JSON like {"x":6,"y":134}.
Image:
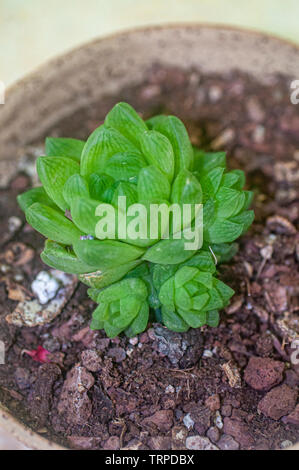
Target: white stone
{"x":188,"y":421}
{"x":45,"y":287}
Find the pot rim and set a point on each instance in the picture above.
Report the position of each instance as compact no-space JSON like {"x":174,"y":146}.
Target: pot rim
{"x":21,"y":432}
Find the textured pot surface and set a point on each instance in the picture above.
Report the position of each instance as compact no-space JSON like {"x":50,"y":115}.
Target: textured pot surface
{"x":76,"y":80}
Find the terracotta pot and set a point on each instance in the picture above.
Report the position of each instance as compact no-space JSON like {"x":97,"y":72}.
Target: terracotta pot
{"x":105,"y":66}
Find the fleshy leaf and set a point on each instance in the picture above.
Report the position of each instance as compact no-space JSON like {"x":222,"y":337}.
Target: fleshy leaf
{"x":64,"y":259}
{"x":175,"y":131}
{"x":158,"y":152}
{"x":223,"y":231}
{"x":33,"y":195}
{"x":98,"y":185}
{"x":52,"y":224}
{"x":246,"y":219}
{"x":100,"y":146}
{"x":168,"y":252}
{"x":229,"y":202}
{"x":152,"y":184}
{"x":166,"y":294}
{"x":213,"y":318}
{"x":64,"y":147}
{"x":186,"y":189}
{"x":101,"y":279}
{"x":210,"y":183}
{"x":83,"y":212}
{"x":125,"y":167}
{"x":173,"y":321}
{"x":194,"y":319}
{"x":207,"y":161}
{"x":76,"y":186}
{"x":125,"y":119}
{"x":54,"y":173}
{"x":106,"y":254}
{"x":139,"y":324}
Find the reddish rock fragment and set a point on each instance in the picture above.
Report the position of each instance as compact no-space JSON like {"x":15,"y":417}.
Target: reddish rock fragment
{"x":278,"y":402}
{"x":263,"y":373}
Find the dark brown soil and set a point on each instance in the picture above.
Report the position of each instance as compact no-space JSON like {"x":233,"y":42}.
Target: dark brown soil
{"x":163,"y":388}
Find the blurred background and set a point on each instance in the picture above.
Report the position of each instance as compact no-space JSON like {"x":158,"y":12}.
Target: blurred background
{"x":34,"y":31}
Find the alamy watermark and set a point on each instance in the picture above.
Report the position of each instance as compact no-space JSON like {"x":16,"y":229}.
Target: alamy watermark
{"x":295,"y":94}
{"x":2,"y":93}
{"x":2,"y":353}
{"x":295,"y":354}
{"x":152,"y":221}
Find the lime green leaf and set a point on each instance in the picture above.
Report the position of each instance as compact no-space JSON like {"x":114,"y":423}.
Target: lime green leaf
{"x":101,"y":279}
{"x":64,"y":259}
{"x":210,"y":183}
{"x":111,"y":330}
{"x":204,"y":278}
{"x":215,"y":301}
{"x":126,"y":288}
{"x":229,"y":202}
{"x":125,"y":167}
{"x":168,"y":252}
{"x":241,"y":179}
{"x":60,"y":147}
{"x":213,"y":318}
{"x":248,"y":199}
{"x":76,"y":186}
{"x":200,"y":301}
{"x":98,"y":185}
{"x":161,"y":273}
{"x":173,"y":321}
{"x":166,"y":294}
{"x":223,"y":231}
{"x":52,"y":224}
{"x":83,"y":212}
{"x":186,"y":189}
{"x":54,"y":173}
{"x":100,"y":146}
{"x":139,"y":324}
{"x":207,"y":161}
{"x":203,"y":260}
{"x":125,"y":119}
{"x":33,"y":195}
{"x":209,"y":213}
{"x":225,"y":291}
{"x":125,"y":189}
{"x":99,"y":316}
{"x":175,"y":131}
{"x":246,"y":219}
{"x":158,"y":152}
{"x":183,"y":275}
{"x":106,"y":254}
{"x":182,"y":298}
{"x":230,"y":180}
{"x":194,"y":319}
{"x":152,"y":184}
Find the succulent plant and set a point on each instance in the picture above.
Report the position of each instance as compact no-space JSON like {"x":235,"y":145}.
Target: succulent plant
{"x":147,"y":163}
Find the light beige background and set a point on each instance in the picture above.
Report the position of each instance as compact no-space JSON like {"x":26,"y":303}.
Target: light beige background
{"x":32,"y":31}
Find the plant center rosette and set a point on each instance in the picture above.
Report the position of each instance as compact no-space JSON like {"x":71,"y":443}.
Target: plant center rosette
{"x":89,"y":209}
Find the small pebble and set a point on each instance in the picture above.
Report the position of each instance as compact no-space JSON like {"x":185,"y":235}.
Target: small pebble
{"x":45,"y":287}
{"x":133,"y":341}
{"x":188,"y":421}
{"x":218,"y":420}
{"x":285,"y":444}
{"x":14,"y":223}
